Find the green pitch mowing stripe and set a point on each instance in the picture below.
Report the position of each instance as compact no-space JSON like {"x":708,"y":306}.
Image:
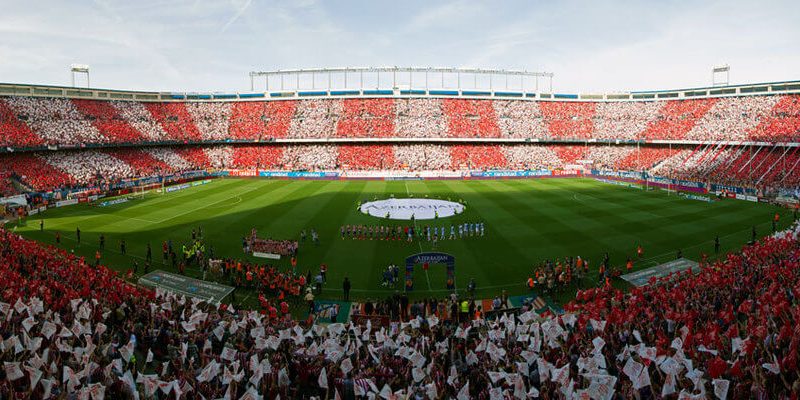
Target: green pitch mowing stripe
{"x":527,"y":222}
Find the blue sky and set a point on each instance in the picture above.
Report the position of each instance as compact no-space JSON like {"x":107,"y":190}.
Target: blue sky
{"x":591,"y":46}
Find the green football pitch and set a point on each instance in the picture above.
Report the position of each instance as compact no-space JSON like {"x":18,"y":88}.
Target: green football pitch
{"x":527,"y":221}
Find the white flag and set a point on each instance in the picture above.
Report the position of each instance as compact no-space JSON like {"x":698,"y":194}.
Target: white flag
{"x":28,"y":323}
{"x":598,"y":325}
{"x":463,"y":394}
{"x":47,"y":384}
{"x":35,"y":374}
{"x":772,"y":367}
{"x":251,"y":394}
{"x":20,"y":306}
{"x":228,"y":354}
{"x":519,"y":388}
{"x":418,"y":374}
{"x":430,"y":390}
{"x":322,"y":381}
{"x":561,"y":375}
{"x":386,"y":392}
{"x":98,"y":391}
{"x":721,"y":388}
{"x":346,"y":366}
{"x":126,"y":351}
{"x":13,"y":372}
{"x":48,"y":329}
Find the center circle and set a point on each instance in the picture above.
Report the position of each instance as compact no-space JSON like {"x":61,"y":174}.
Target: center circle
{"x":404,"y":209}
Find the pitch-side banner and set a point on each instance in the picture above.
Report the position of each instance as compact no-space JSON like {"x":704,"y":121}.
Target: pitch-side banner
{"x":619,"y":174}
{"x":267,"y":255}
{"x":240,"y":172}
{"x":510,"y":173}
{"x":731,"y":189}
{"x":677,"y":182}
{"x":208,"y":291}
{"x":299,"y":174}
{"x":684,"y":185}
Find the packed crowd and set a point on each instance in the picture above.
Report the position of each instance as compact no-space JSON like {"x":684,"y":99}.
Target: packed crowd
{"x":258,"y":120}
{"x":728,"y":331}
{"x":677,"y":118}
{"x":750,"y":166}
{"x":27,"y":121}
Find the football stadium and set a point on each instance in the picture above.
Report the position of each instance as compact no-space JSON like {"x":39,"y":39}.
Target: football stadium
{"x":398,"y":233}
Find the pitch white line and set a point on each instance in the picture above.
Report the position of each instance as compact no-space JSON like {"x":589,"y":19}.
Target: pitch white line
{"x":238,"y":200}
{"x":208,"y":205}
{"x":416,"y":230}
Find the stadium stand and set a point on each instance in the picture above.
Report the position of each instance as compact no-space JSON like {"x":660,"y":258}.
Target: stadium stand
{"x":571,"y":154}
{"x":470,"y":118}
{"x":623,"y":120}
{"x":315,"y":119}
{"x":257,"y":157}
{"x":108,"y":121}
{"x":7,"y":187}
{"x":419,"y":118}
{"x":677,"y":118}
{"x":420,"y":157}
{"x":477,"y":157}
{"x":720,"y":123}
{"x":174,"y":118}
{"x":89,"y":167}
{"x":366,"y":157}
{"x":520,"y":119}
{"x":218,"y":156}
{"x":80,"y":121}
{"x":532,"y":157}
{"x":171,"y":158}
{"x":310,"y":157}
{"x":141,"y":162}
{"x":372,"y":118}
{"x":731,"y":118}
{"x":195,"y":156}
{"x":56,"y":121}
{"x":747,"y":166}
{"x":781,"y":123}
{"x":569,"y":120}
{"x":140,"y":119}
{"x":212,"y":119}
{"x":15,"y":132}
{"x":34,"y":172}
{"x":260,"y":120}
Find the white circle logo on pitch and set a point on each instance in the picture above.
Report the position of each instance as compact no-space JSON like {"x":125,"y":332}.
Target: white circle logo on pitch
{"x":404,"y":208}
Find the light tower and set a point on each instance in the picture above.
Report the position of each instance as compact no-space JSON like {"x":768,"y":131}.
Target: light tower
{"x":718,"y":70}
{"x":79,"y":69}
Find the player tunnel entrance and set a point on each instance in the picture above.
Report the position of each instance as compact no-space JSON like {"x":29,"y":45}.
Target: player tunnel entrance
{"x":426,"y":260}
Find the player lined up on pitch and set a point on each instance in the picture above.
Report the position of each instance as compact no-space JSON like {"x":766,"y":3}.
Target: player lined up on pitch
{"x":410,"y":232}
